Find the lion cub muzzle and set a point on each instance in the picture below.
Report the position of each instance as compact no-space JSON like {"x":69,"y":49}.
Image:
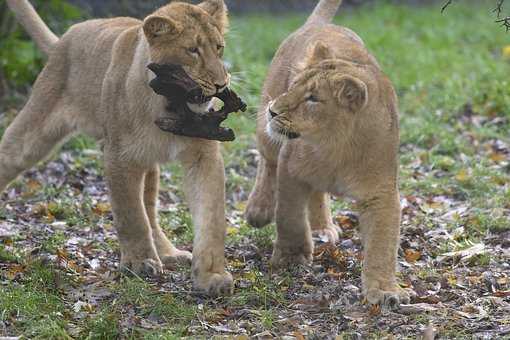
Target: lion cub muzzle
{"x":278,"y":125}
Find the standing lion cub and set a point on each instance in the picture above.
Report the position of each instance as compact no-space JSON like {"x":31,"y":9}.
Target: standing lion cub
{"x":329,"y":124}
{"x":96,"y":82}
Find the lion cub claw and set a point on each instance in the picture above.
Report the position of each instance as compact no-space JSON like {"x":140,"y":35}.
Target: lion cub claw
{"x":330,"y":234}
{"x":259,"y":214}
{"x":150,"y":267}
{"x":388,"y":299}
{"x":283,"y":257}
{"x":180,"y":257}
{"x":214,"y":284}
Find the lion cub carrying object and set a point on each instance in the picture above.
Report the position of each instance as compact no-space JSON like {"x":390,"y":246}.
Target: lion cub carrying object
{"x":329,"y":124}
{"x":179,"y":89}
{"x":96,"y":82}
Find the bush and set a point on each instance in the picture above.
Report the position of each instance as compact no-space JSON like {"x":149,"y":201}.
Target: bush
{"x":20,"y":60}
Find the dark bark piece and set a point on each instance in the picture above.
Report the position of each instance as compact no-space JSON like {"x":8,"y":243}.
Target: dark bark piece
{"x":179,"y":89}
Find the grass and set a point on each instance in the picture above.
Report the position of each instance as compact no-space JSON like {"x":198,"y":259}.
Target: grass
{"x":438,"y":63}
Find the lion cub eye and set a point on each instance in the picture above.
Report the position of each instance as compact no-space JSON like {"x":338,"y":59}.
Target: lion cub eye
{"x":220,"y":50}
{"x":312,"y":99}
{"x":194,"y":50}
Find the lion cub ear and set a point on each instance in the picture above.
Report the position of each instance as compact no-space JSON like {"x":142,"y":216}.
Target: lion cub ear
{"x":218,"y":10}
{"x":321,"y":52}
{"x":351,"y":92}
{"x":317,"y":53}
{"x":156,"y":26}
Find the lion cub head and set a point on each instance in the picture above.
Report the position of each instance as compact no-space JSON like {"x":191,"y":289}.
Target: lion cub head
{"x":323,"y":101}
{"x":191,"y":36}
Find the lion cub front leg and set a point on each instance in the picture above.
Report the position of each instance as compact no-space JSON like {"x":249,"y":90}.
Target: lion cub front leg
{"x":167,"y":252}
{"x":125,"y":182}
{"x":319,"y":215}
{"x":293,"y":239}
{"x":204,"y":187}
{"x":380,"y":229}
{"x":261,"y":203}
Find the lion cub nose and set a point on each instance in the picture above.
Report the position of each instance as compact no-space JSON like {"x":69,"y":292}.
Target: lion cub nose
{"x":272,"y":113}
{"x":220,"y":87}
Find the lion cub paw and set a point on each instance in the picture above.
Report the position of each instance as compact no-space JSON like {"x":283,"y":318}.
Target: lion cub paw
{"x":330,"y":234}
{"x":178,"y":257}
{"x":284,"y":257}
{"x":389,"y":299}
{"x":259,"y":211}
{"x":214,"y":284}
{"x":149,"y":267}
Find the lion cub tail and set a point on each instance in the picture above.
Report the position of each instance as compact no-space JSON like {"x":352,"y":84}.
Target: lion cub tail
{"x":324,"y":12}
{"x":33,"y":24}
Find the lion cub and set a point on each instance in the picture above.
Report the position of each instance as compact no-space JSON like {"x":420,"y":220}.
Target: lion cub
{"x":96,"y":82}
{"x":331,"y":128}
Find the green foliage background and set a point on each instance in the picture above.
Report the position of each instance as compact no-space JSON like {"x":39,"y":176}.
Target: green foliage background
{"x":20,"y":60}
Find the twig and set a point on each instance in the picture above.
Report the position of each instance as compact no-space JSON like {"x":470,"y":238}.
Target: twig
{"x":448,"y":3}
{"x":505,"y":22}
{"x":499,"y":8}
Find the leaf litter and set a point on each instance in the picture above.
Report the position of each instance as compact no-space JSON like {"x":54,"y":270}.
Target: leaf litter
{"x":458,"y":289}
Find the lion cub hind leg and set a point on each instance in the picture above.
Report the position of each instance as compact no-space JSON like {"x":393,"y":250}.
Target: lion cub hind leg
{"x":29,"y":139}
{"x":138,"y":252}
{"x":380,"y":221}
{"x":319,"y":215}
{"x":261,"y":203}
{"x":204,"y":187}
{"x":169,"y":255}
{"x":293,"y":239}
{"x":36,"y":130}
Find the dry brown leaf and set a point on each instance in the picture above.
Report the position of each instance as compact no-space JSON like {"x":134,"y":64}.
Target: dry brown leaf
{"x":13,"y":271}
{"x":412,"y":255}
{"x":345,"y":222}
{"x":497,"y":157}
{"x":32,"y":186}
{"x":374,"y":310}
{"x":299,"y":336}
{"x":102,"y":209}
{"x":502,"y":293}
{"x":39,"y":210}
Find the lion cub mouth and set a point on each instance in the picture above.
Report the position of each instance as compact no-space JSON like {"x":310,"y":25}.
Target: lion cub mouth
{"x":205,"y":107}
{"x":288,"y":134}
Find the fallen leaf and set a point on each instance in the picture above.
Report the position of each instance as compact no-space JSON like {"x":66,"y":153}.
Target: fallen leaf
{"x":472,"y":311}
{"x":412,"y":255}
{"x":463,"y":176}
{"x":102,"y":209}
{"x":416,"y":308}
{"x":466,"y":254}
{"x":32,"y":186}
{"x":232,"y":231}
{"x":299,"y":336}
{"x":374,"y":310}
{"x":39,"y":210}
{"x":346,"y":220}
{"x":497,"y":157}
{"x":14,"y":271}
{"x":502,"y":293}
{"x":80,"y":305}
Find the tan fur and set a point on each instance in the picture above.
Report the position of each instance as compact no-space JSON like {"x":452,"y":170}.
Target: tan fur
{"x":96,"y":82}
{"x":326,"y":87}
